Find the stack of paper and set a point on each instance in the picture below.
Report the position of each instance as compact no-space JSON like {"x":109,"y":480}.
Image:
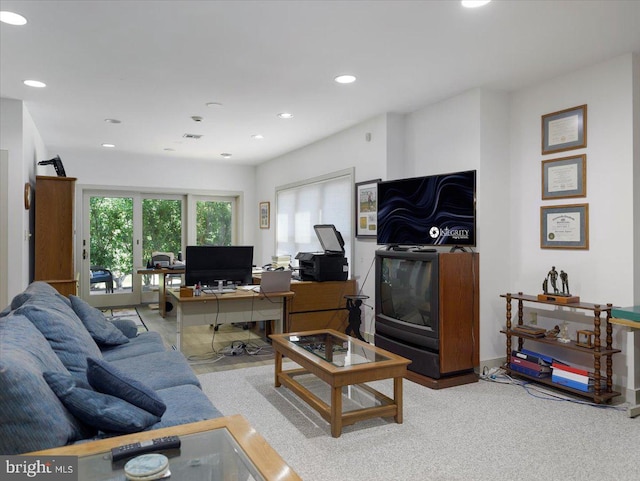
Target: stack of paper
{"x":281,"y":261}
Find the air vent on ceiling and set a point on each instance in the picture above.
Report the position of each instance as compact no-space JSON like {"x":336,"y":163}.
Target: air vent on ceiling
{"x":192,"y":136}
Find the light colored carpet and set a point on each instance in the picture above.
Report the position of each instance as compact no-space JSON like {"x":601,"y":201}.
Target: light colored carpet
{"x":481,"y":431}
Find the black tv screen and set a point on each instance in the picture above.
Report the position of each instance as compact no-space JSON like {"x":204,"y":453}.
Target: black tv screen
{"x":438,"y":210}
{"x":206,"y":265}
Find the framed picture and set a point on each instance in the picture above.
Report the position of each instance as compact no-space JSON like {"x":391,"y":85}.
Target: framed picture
{"x":564,"y":226}
{"x":564,"y":178}
{"x":564,"y":130}
{"x":265,"y":215}
{"x":367,"y":208}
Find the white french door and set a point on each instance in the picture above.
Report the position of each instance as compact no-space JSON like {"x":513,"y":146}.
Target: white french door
{"x":111,"y":248}
{"x":121,"y":230}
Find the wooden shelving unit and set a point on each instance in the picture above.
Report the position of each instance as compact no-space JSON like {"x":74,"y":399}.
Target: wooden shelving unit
{"x":603,"y":384}
{"x":54,"y":231}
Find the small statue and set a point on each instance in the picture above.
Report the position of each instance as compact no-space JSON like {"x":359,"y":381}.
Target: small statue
{"x":552,"y":333}
{"x":564,"y":277}
{"x":564,"y":333}
{"x":553,"y":277}
{"x":545,"y":286}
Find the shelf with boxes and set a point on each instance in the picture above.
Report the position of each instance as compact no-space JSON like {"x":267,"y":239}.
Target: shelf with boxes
{"x":599,"y":352}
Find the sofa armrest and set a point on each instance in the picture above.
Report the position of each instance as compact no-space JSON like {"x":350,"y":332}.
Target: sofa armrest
{"x":127,"y":326}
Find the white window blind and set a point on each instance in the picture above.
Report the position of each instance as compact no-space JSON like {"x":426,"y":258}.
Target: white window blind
{"x":326,"y":200}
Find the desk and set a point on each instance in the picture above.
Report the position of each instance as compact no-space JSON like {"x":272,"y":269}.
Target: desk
{"x":162,"y":288}
{"x":318,"y":305}
{"x":630,"y":317}
{"x":239,"y":306}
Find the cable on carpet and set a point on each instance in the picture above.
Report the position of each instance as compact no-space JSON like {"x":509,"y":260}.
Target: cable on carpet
{"x":498,"y":375}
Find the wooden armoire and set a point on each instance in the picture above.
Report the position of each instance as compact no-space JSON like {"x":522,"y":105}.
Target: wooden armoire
{"x":54,"y":233}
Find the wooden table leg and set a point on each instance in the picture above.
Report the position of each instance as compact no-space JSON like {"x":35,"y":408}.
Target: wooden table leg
{"x":397,"y":397}
{"x":336,"y":412}
{"x":278,"y":368}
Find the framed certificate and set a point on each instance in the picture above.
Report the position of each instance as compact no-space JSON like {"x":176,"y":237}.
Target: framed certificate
{"x":265,"y":215}
{"x":367,"y":209}
{"x":564,"y":130}
{"x":564,"y":178}
{"x":564,"y":226}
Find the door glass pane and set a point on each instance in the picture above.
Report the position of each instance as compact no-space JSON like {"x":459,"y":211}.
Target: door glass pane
{"x":111,"y":244}
{"x":161,"y":232}
{"x":213,"y":223}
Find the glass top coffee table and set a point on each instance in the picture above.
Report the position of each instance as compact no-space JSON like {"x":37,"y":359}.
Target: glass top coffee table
{"x":222,"y":448}
{"x":344,"y":364}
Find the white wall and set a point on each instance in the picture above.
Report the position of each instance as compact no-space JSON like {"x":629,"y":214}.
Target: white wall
{"x":467,"y":132}
{"x":345,"y":149}
{"x":605,"y":272}
{"x":21,"y":139}
{"x":115,"y":170}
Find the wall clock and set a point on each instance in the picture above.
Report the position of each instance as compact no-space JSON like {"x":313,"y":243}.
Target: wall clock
{"x":27,"y":195}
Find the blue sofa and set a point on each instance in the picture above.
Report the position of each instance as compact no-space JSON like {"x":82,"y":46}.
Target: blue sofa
{"x":70,"y":375}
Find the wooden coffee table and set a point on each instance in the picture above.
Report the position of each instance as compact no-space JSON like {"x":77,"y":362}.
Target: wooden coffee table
{"x":344,"y":363}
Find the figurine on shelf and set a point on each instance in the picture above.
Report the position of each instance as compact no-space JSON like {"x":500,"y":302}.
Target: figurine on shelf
{"x":552,"y":333}
{"x":553,"y":277}
{"x":564,"y":277}
{"x":564,"y":333}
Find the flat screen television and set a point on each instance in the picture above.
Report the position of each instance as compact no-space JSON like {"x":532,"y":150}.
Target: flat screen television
{"x":438,"y":210}
{"x":206,"y":265}
{"x":407,"y":297}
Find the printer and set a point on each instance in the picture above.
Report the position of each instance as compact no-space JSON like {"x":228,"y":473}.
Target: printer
{"x":330,"y":265}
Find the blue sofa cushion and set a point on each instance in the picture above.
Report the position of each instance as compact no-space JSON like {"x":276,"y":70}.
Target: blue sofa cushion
{"x":65,"y":332}
{"x":101,"y":330}
{"x":126,"y":327}
{"x":185,"y":404}
{"x":161,"y":369}
{"x":144,"y":343}
{"x":105,"y":412}
{"x":31,"y":416}
{"x":108,"y":379}
{"x":39,"y":290}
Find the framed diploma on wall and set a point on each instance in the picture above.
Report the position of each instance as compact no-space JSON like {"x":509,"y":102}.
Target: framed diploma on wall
{"x":564,"y":130}
{"x":564,"y":178}
{"x":564,"y":226}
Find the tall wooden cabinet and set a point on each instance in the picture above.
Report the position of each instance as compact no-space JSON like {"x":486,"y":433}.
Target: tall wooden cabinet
{"x":54,"y":233}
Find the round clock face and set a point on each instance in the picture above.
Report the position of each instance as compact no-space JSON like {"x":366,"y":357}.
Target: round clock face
{"x":27,"y":196}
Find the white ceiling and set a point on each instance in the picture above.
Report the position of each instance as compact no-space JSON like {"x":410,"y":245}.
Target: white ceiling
{"x":155,"y":64}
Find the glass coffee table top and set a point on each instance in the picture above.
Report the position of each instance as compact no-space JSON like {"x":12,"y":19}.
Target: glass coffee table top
{"x":207,"y":455}
{"x":336,"y":350}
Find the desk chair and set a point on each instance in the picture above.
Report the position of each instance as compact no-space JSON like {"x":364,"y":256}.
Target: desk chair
{"x":100,"y":274}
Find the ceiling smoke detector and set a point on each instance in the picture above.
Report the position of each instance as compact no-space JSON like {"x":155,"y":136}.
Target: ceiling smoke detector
{"x":192,"y":136}
{"x":196,"y":118}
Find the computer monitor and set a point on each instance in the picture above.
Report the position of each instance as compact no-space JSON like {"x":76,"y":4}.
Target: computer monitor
{"x":206,"y":265}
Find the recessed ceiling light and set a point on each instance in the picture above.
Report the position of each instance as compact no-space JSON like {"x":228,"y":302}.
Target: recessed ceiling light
{"x":169,"y":149}
{"x":345,"y":79}
{"x":35,"y":83}
{"x":12,"y":18}
{"x":285,"y":115}
{"x":213,"y":104}
{"x":112,"y":121}
{"x":474,"y":3}
{"x":257,"y":136}
{"x":225,"y":155}
{"x":109,"y":146}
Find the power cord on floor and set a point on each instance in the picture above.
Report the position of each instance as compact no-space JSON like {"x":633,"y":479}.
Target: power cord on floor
{"x":499,"y":375}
